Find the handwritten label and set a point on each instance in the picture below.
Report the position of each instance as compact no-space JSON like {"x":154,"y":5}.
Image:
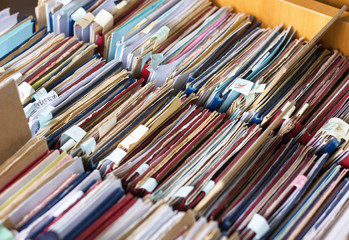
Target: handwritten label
{"x":329,"y":127}
{"x":242,"y":86}
{"x":45,"y":100}
{"x":25,"y":90}
{"x":5,"y":13}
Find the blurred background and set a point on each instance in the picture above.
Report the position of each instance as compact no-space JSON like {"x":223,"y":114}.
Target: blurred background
{"x":24,"y":7}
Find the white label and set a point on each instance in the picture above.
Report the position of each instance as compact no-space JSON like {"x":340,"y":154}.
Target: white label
{"x":156,"y":60}
{"x":208,"y":187}
{"x":303,"y":109}
{"x":145,"y":58}
{"x":288,"y":114}
{"x":149,"y":27}
{"x":105,"y":20}
{"x":183,"y":192}
{"x":34,"y":126}
{"x":29,"y":109}
{"x":255,"y":67}
{"x":75,"y":132}
{"x":39,"y":94}
{"x":150,"y":184}
{"x":5,"y":13}
{"x":329,"y":127}
{"x":45,"y":100}
{"x":144,"y":20}
{"x":25,"y":90}
{"x":141,"y":169}
{"x":64,"y":2}
{"x":78,"y":14}
{"x":161,"y":34}
{"x":16,"y":76}
{"x":121,"y":4}
{"x":258,"y":88}
{"x":68,"y":144}
{"x":67,"y":202}
{"x":259,"y":225}
{"x":88,"y":146}
{"x":45,"y":116}
{"x":242,"y":86}
{"x":117,"y":155}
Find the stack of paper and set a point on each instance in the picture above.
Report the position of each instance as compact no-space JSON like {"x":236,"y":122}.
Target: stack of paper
{"x":169,"y":119}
